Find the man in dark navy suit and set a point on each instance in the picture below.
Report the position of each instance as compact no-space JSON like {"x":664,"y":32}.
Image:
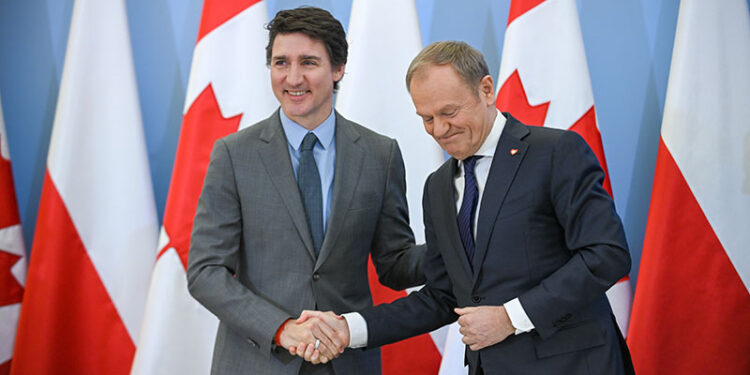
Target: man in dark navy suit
{"x":522,"y":239}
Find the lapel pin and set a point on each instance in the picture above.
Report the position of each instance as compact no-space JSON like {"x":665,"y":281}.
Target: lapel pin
{"x":513,"y":151}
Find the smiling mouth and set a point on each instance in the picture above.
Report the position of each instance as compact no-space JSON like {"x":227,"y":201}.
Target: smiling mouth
{"x":297,"y":92}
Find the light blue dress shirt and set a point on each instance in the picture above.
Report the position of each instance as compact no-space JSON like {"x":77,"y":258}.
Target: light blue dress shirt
{"x":324,"y":153}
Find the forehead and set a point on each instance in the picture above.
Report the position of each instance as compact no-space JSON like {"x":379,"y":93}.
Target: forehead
{"x":439,"y":85}
{"x":297,"y":44}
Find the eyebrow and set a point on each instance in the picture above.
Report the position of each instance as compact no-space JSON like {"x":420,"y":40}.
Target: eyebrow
{"x":303,"y":57}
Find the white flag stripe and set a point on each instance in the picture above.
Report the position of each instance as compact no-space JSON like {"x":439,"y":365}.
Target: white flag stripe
{"x":547,"y":50}
{"x":11,"y":240}
{"x":718,"y":68}
{"x":453,"y":354}
{"x":97,"y":157}
{"x":8,"y":324}
{"x":4,"y":149}
{"x":232,"y":59}
{"x":373,"y":91}
{"x":197,"y":325}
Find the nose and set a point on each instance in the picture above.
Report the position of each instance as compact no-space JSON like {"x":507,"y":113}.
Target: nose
{"x":294,"y":77}
{"x":439,"y":127}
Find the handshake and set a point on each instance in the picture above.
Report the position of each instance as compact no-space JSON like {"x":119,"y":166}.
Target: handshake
{"x":319,"y":337}
{"x":316,"y":336}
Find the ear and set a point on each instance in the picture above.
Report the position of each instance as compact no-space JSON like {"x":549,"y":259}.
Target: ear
{"x":338,"y":72}
{"x":487,"y":90}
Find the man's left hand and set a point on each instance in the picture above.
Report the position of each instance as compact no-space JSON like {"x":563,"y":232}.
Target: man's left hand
{"x":484,"y":326}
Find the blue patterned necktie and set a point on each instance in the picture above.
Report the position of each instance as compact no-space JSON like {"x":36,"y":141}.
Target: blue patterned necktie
{"x":308,"y":180}
{"x":465,"y":216}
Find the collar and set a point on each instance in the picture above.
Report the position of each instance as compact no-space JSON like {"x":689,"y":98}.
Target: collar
{"x":487,"y":149}
{"x":490,"y":143}
{"x":296,"y":132}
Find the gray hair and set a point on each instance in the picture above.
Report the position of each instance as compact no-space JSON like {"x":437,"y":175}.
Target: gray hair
{"x":468,"y":62}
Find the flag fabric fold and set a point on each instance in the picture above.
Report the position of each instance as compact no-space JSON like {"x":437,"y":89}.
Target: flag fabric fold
{"x":229,"y":88}
{"x":12,"y":255}
{"x":96,"y":231}
{"x":691,"y":313}
{"x":373,"y":93}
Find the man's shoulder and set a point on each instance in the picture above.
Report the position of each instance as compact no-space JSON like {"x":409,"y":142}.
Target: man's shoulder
{"x":353,"y":129}
{"x":261,"y":129}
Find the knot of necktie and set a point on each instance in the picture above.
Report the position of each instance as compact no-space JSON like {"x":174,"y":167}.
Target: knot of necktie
{"x":308,"y":142}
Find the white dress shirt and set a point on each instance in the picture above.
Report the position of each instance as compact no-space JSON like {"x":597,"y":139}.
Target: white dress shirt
{"x":516,"y":313}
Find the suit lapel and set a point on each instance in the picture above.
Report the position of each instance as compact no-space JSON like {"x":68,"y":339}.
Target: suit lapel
{"x":502,"y":172}
{"x":348,"y":166}
{"x":443,"y":204}
{"x":274,"y":153}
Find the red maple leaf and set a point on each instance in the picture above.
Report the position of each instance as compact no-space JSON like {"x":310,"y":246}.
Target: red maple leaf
{"x":9,"y":211}
{"x":11,"y":291}
{"x":512,"y":99}
{"x":202,"y":125}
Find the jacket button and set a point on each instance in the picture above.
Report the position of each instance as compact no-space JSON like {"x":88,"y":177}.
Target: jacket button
{"x":316,"y":276}
{"x":476,"y":299}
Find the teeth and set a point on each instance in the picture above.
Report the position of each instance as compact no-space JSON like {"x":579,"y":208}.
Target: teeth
{"x":297,"y":93}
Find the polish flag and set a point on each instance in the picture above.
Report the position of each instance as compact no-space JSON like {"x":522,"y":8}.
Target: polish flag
{"x":373,"y":93}
{"x":691,"y":313}
{"x":95,"y":238}
{"x":546,"y":83}
{"x":12,"y":254}
{"x":229,"y":88}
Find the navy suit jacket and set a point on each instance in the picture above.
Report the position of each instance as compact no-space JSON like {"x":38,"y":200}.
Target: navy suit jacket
{"x":548,"y":234}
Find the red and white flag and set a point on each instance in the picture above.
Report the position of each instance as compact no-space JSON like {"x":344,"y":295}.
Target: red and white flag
{"x":545,"y":82}
{"x":93,"y":249}
{"x":691,"y":313}
{"x":12,"y":256}
{"x":373,"y":93}
{"x":229,"y":88}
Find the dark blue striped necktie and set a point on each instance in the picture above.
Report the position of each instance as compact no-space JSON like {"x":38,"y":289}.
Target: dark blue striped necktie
{"x":465,"y":216}
{"x":308,"y":180}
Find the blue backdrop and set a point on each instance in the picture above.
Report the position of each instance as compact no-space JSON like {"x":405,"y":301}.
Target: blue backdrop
{"x":628,"y":48}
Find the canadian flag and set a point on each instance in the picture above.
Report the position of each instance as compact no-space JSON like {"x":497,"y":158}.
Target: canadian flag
{"x":691,"y":313}
{"x":229,"y":88}
{"x":546,"y":82}
{"x":96,"y":231}
{"x":373,"y":93}
{"x":12,"y":255}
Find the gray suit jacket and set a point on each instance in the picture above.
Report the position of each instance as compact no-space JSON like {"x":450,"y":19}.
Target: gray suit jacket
{"x":547,"y":233}
{"x":252,"y":261}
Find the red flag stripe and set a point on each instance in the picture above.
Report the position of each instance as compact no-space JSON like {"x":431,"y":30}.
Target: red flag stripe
{"x":416,"y":355}
{"x":215,"y":13}
{"x":586,"y":127}
{"x":68,"y":323}
{"x":691,"y":307}
{"x":9,"y":213}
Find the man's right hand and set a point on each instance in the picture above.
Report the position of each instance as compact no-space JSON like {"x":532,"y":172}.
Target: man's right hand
{"x":334,"y":324}
{"x":307,"y":332}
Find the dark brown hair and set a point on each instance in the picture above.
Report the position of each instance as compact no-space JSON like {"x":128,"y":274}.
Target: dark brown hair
{"x":317,"y":24}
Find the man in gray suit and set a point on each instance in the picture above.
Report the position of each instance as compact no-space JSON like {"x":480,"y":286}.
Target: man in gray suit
{"x":290,"y":210}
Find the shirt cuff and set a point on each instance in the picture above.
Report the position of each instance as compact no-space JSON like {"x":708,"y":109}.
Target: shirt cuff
{"x":518,"y":317}
{"x":357,"y":330}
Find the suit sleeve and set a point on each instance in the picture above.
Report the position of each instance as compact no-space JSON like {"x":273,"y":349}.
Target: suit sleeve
{"x":592,"y":231}
{"x":214,"y":253}
{"x":397,"y":260}
{"x":422,"y":311}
